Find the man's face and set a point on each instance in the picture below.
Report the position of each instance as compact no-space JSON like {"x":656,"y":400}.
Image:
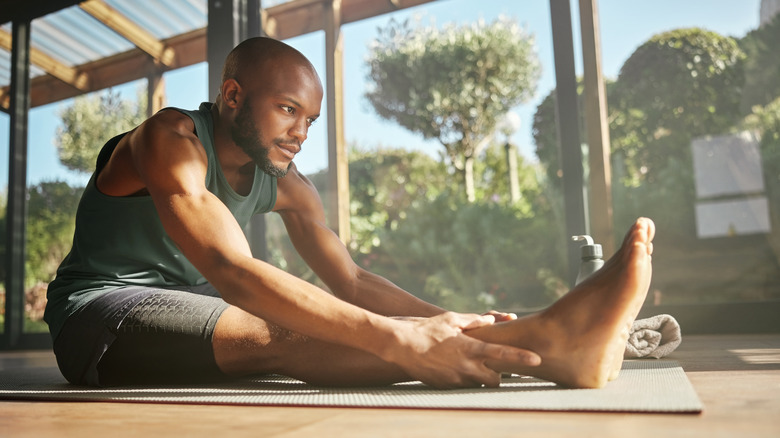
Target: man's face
{"x":273,"y":122}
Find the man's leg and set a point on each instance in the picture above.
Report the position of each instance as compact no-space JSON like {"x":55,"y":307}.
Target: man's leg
{"x":579,"y":337}
{"x":244,"y":344}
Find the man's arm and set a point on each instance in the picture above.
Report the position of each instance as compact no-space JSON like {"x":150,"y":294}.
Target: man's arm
{"x":168,"y":161}
{"x":300,"y":206}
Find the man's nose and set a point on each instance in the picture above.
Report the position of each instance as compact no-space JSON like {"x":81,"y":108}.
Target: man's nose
{"x":300,"y":130}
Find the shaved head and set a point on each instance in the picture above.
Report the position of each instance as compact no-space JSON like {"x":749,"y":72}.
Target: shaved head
{"x":249,"y":60}
{"x":270,"y":95}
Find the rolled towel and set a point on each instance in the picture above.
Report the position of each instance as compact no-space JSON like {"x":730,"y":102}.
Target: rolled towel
{"x":656,"y":337}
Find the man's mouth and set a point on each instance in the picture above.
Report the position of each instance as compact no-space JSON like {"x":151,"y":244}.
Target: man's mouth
{"x":289,"y":149}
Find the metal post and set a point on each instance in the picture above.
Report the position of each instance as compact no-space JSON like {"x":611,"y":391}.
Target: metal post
{"x":17,"y":183}
{"x":567,"y":118}
{"x":229,"y":23}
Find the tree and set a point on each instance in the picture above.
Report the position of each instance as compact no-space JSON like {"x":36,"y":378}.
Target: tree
{"x":678,"y":85}
{"x":766,"y":121}
{"x":50,"y":224}
{"x":384,"y":184}
{"x":472,"y":256}
{"x":92,"y":120}
{"x":762,"y":65}
{"x":452,"y":84}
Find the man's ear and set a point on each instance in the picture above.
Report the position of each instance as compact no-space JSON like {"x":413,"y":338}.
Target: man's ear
{"x":230,"y":92}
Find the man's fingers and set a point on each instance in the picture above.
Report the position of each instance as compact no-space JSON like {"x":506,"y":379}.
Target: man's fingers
{"x":501,"y":316}
{"x":477,"y":321}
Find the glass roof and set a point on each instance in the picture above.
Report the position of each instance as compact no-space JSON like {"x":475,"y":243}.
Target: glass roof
{"x":73,"y":37}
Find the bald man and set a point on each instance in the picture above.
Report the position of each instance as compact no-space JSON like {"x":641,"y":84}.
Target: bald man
{"x":161,"y":287}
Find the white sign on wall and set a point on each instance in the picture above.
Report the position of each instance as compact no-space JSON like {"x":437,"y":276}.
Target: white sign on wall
{"x":729,"y":185}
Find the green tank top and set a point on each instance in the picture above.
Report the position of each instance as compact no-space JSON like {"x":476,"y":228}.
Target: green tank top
{"x":119,"y":241}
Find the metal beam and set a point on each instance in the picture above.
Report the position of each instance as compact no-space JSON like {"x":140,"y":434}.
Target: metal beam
{"x":16,"y":213}
{"x":230,"y":22}
{"x":567,"y":121}
{"x":26,"y":10}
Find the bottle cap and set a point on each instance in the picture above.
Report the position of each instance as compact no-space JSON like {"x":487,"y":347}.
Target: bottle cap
{"x":589,"y":250}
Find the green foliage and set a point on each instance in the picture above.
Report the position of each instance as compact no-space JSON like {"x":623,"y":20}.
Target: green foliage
{"x":492,"y":184}
{"x":92,"y":120}
{"x":470,"y":256}
{"x":762,"y":65}
{"x":452,"y":84}
{"x":458,"y":255}
{"x":384,"y":184}
{"x":677,"y":86}
{"x":766,"y":121}
{"x":50,"y":224}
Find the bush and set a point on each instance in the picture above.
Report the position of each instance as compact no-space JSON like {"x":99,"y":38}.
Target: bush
{"x":471,"y":257}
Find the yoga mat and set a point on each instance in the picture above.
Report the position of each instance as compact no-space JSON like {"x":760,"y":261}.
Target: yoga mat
{"x":643,"y":386}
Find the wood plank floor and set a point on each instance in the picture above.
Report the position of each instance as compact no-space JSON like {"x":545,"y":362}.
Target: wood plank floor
{"x":737,"y":378}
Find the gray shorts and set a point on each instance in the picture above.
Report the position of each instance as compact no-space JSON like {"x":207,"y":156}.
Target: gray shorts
{"x":142,"y":335}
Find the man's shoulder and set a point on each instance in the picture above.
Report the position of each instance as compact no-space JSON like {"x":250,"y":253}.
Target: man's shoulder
{"x":171,"y":119}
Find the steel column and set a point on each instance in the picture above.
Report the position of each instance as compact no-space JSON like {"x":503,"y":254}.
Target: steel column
{"x":567,"y":119}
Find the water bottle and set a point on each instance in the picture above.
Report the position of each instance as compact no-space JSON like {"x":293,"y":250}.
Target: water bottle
{"x":592,"y":257}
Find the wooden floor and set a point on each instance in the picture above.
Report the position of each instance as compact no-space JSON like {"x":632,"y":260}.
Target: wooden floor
{"x":737,"y":378}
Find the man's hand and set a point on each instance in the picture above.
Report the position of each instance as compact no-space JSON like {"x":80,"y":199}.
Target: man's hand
{"x":436,"y":352}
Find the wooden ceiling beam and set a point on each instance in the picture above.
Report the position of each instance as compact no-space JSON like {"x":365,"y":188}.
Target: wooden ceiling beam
{"x":122,"y":25}
{"x":69,"y":75}
{"x":283,"y":21}
{"x":305,"y":16}
{"x":190,"y":48}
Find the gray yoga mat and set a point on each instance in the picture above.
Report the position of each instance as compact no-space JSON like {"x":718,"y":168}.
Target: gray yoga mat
{"x":643,"y":386}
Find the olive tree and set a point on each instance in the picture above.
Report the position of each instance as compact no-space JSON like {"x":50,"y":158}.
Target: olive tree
{"x":92,"y":120}
{"x":453,"y":84}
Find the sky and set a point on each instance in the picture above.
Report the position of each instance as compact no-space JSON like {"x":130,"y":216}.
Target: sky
{"x":624,"y":26}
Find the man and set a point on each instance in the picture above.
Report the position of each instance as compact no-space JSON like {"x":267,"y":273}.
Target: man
{"x":161,"y":286}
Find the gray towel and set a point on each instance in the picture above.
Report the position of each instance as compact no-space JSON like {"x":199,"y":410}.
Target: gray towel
{"x":656,"y":337}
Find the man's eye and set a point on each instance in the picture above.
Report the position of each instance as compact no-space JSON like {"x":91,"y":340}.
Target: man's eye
{"x":310,"y":121}
{"x":289,"y":109}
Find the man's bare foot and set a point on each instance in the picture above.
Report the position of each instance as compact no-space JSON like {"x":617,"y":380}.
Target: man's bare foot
{"x":582,"y":336}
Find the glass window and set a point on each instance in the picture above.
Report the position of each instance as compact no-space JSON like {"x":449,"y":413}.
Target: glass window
{"x":456,"y":187}
{"x":4,"y":142}
{"x":693,"y":113}
{"x":62,"y":151}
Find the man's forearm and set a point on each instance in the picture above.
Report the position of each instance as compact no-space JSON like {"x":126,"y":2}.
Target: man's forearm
{"x":379,"y":295}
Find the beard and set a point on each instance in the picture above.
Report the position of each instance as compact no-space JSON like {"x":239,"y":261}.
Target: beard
{"x":247,"y":136}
